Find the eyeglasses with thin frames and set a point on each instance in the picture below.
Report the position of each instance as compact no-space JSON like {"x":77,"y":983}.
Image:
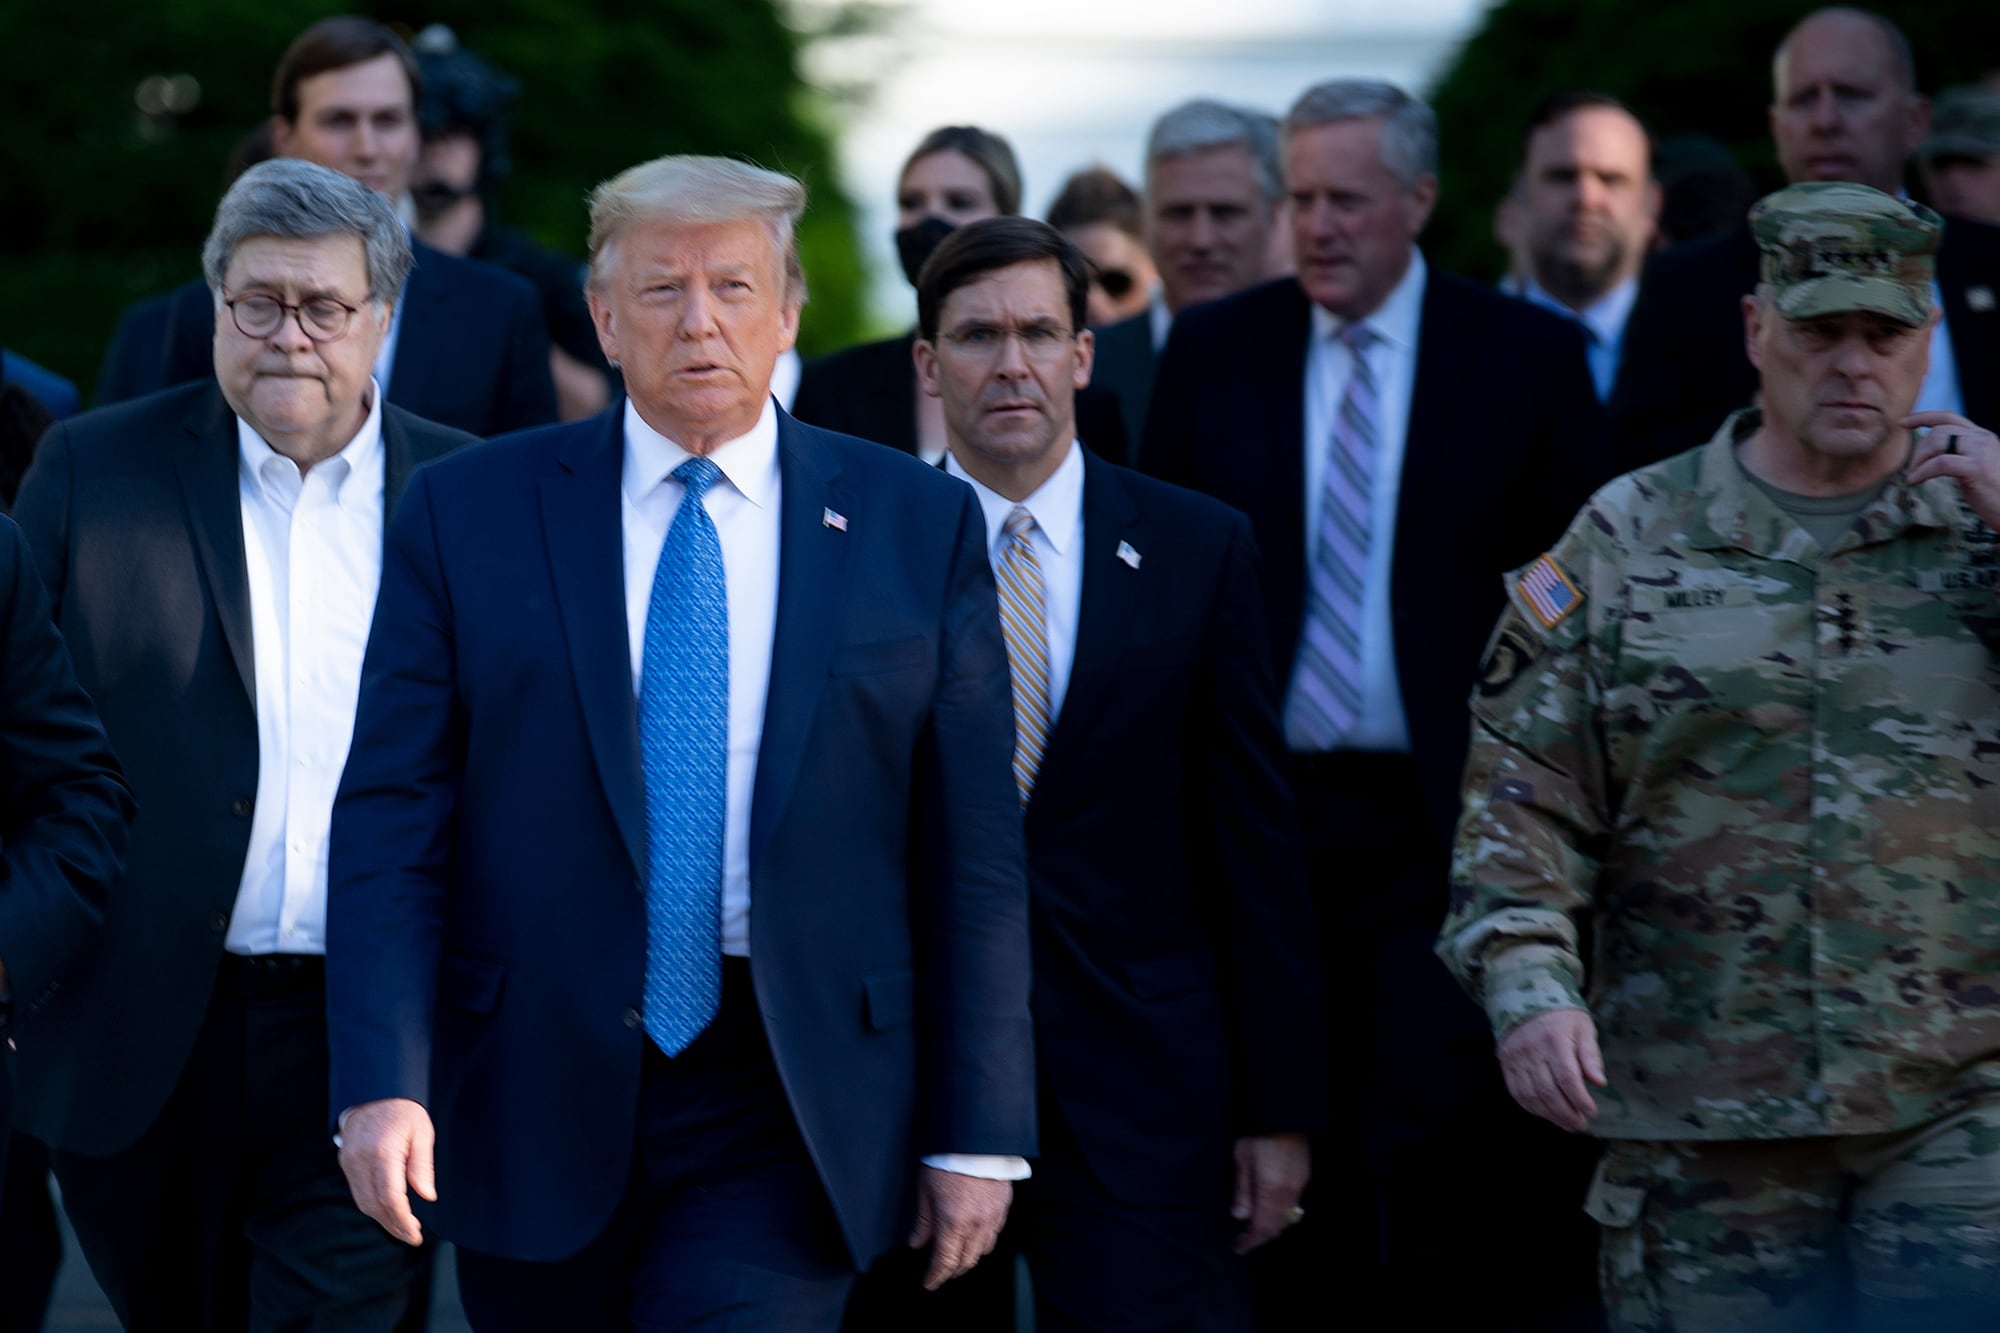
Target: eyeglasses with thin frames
{"x":1039,"y":341}
{"x":321,"y":319}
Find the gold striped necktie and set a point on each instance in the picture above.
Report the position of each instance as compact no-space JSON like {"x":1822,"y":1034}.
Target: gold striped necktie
{"x":1024,"y":626}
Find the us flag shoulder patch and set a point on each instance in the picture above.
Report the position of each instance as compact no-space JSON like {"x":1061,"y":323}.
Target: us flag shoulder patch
{"x":1548,"y":592}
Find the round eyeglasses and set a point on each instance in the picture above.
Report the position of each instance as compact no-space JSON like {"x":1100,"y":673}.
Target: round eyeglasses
{"x":321,"y":319}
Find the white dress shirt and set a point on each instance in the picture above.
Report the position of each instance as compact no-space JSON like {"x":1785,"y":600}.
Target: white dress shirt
{"x":1603,"y":322}
{"x":1160,"y":320}
{"x":312,"y":548}
{"x":1381,"y":724}
{"x":1057,"y":540}
{"x":745,"y":514}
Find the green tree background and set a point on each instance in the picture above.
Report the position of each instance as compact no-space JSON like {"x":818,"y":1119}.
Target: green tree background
{"x":101,"y":203}
{"x":1689,"y":66}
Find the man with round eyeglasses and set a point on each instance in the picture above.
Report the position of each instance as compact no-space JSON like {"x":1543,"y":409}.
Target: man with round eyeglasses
{"x":213,"y":552}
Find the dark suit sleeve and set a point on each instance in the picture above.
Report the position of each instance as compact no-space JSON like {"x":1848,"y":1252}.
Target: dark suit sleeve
{"x":976,"y":1075}
{"x":390,"y":846}
{"x":63,"y":804}
{"x":41,"y":507}
{"x":1261,"y":904}
{"x":527,"y":385}
{"x":1166,"y":450}
{"x":136,"y":361}
{"x":1572,"y":455}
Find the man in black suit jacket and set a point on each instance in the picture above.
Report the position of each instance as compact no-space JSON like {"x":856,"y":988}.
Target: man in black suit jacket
{"x":1844,"y":107}
{"x":468,"y":348}
{"x":1451,"y":428}
{"x":63,"y":805}
{"x":212,"y":551}
{"x":1176,"y":996}
{"x":1213,"y":184}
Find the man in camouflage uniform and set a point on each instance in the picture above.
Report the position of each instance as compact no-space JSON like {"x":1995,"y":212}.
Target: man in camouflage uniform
{"x":1741,"y":727}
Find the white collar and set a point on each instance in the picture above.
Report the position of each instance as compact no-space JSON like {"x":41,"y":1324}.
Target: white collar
{"x":750,"y":461}
{"x":1057,"y":504}
{"x":1397,"y":320}
{"x":254,"y":453}
{"x":1162,"y":319}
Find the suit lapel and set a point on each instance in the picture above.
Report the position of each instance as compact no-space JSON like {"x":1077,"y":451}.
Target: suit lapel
{"x":207,"y":465}
{"x":416,"y":361}
{"x":812,"y":587}
{"x":584,"y":527}
{"x":1111,"y":592}
{"x":397,"y":461}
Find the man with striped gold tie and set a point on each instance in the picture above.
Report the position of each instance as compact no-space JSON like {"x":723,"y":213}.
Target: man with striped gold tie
{"x":1176,"y":1002}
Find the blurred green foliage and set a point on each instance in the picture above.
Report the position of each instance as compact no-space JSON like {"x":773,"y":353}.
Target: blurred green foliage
{"x":1693,"y":66}
{"x":102,"y":203}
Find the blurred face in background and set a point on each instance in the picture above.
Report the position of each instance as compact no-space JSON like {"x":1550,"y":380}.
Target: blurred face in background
{"x":1842,"y":109}
{"x":1354,"y":224}
{"x":1964,"y":186}
{"x":360,"y":121}
{"x":1208,"y":223}
{"x":1588,"y":204}
{"x":1122,"y":273}
{"x":945,"y":184}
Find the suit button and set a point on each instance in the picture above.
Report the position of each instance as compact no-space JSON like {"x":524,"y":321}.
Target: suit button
{"x":241,"y":807}
{"x":632,"y":1019}
{"x":218,"y":922}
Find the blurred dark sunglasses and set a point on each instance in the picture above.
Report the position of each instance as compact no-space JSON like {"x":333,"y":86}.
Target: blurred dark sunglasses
{"x":1115,"y":283}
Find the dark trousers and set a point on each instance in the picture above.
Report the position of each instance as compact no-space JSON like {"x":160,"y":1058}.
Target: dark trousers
{"x":724,"y":1225}
{"x":1096,"y":1263}
{"x":30,"y":1241}
{"x":231,"y":1211}
{"x":1434,"y":1197}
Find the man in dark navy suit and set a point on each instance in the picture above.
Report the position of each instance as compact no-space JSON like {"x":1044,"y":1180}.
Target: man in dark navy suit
{"x":468,"y":347}
{"x":678,"y":902}
{"x":1396,"y":435}
{"x":1176,"y":991}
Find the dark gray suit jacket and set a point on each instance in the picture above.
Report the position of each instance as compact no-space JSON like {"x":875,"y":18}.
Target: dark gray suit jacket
{"x":1126,"y":360}
{"x":133,"y":516}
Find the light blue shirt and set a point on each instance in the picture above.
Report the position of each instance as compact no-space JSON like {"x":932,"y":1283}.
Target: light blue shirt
{"x":1381,"y":724}
{"x":1603,"y":324}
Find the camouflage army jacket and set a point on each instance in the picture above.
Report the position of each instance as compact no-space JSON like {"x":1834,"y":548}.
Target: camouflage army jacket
{"x":1764,"y":783}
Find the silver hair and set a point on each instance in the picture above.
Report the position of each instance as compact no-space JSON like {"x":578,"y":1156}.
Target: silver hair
{"x":293,"y":199}
{"x":1409,"y":128}
{"x":693,"y":189}
{"x":1196,"y":126}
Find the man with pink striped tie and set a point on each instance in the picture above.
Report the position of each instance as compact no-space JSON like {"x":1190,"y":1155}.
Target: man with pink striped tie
{"x":1399,"y":439}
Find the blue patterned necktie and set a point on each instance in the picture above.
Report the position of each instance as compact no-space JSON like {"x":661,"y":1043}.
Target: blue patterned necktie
{"x":684,"y":754}
{"x":1325,"y":698}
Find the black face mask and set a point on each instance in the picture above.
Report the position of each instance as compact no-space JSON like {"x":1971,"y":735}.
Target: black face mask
{"x":915,"y":243}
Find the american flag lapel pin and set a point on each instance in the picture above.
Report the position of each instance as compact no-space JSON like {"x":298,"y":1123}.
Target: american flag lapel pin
{"x":836,"y":521}
{"x":1128,"y":555}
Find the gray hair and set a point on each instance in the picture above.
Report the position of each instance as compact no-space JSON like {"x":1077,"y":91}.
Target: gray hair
{"x":1194,"y":127}
{"x":692,"y":189}
{"x":1409,"y":128}
{"x":294,"y":199}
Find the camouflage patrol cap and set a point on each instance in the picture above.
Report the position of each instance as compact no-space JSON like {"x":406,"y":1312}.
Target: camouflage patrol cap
{"x":1831,"y":247}
{"x":1965,"y":122}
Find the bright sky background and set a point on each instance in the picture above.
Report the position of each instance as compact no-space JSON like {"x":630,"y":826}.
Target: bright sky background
{"x":1069,"y":82}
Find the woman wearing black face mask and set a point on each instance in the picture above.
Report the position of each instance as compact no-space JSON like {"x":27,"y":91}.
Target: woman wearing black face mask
{"x":958,"y":174}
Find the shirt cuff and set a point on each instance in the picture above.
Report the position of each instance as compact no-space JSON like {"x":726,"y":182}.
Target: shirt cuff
{"x":981,"y":1165}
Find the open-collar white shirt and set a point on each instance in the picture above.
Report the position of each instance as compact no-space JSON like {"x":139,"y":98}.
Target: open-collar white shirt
{"x":312,"y":548}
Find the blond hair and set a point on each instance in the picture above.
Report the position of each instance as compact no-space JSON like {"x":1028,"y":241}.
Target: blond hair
{"x":692,"y":189}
